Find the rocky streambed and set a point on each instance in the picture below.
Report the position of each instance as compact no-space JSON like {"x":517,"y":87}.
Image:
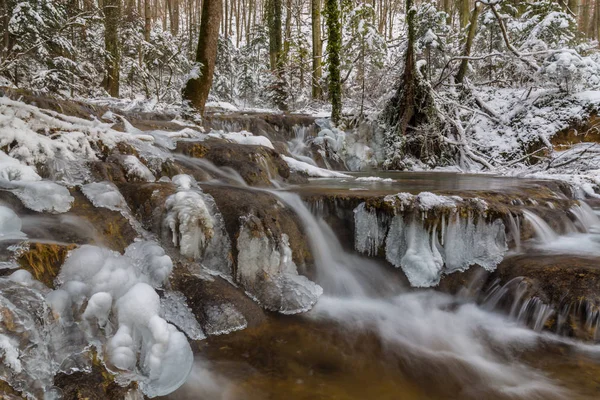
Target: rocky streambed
{"x":144,"y":257}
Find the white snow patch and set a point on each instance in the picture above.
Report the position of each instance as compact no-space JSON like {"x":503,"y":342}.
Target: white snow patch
{"x":311,"y":170}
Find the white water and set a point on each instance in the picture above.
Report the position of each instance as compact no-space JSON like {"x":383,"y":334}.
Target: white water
{"x":581,"y":239}
{"x":424,"y":328}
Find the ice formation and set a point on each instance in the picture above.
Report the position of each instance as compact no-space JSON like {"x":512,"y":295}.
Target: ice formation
{"x":10,"y":225}
{"x":196,"y":226}
{"x":41,"y":196}
{"x":268,"y":273}
{"x":136,"y":170}
{"x":426,"y":251}
{"x":243,"y":137}
{"x":311,"y":170}
{"x":104,"y":194}
{"x":176,"y":311}
{"x":28,"y":361}
{"x":120,"y":295}
{"x":223,"y":319}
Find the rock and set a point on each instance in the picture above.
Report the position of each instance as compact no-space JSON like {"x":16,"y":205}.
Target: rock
{"x":257,"y":165}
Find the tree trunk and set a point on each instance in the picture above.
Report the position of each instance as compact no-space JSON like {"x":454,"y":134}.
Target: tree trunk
{"x":584,"y":17}
{"x":112,"y":20}
{"x":464,"y":12}
{"x":147,"y":20}
{"x":464,"y":65}
{"x":413,"y":104}
{"x":274,"y":25}
{"x":334,"y":45}
{"x":196,"y":90}
{"x":448,"y":11}
{"x":317,"y":45}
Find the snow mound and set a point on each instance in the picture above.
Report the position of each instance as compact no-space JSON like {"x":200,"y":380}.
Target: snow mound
{"x":311,"y":170}
{"x":243,"y":137}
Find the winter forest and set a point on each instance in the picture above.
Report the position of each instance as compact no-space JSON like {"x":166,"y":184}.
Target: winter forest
{"x":300,"y":199}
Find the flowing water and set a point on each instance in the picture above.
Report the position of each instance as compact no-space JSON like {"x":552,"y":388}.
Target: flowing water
{"x":371,"y":337}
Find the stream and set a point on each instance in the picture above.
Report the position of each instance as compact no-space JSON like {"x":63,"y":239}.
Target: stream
{"x":372,"y":336}
{"x":180,"y":265}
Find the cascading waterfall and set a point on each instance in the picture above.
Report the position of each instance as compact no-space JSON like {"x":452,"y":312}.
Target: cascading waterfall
{"x":422,"y":327}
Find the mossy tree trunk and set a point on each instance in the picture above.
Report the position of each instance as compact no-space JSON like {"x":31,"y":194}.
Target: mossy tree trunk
{"x":112,"y":21}
{"x":317,"y":48}
{"x":334,"y":45}
{"x":196,"y":90}
{"x":464,"y":65}
{"x":464,"y":10}
{"x":411,"y":112}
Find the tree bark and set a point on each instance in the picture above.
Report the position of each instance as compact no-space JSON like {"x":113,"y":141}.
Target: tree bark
{"x":317,"y":47}
{"x":112,"y":21}
{"x":464,"y":65}
{"x":196,"y":90}
{"x":464,"y":12}
{"x":147,"y":19}
{"x":334,"y":45}
{"x":274,"y":25}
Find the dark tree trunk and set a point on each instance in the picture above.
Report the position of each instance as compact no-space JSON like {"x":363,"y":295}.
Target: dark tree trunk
{"x":196,"y":90}
{"x":112,"y":21}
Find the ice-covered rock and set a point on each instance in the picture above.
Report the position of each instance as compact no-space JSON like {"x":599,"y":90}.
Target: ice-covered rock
{"x":311,"y":170}
{"x":136,"y":170}
{"x":197,"y":227}
{"x":105,"y":194}
{"x":120,"y":292}
{"x":268,"y":273}
{"x":223,"y":319}
{"x":176,"y":311}
{"x":41,"y":196}
{"x":13,"y":170}
{"x":460,"y":236}
{"x":10,"y":225}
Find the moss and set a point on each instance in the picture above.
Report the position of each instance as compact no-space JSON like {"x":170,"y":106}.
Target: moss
{"x":44,"y":261}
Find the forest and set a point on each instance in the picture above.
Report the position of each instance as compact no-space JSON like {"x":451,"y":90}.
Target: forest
{"x":457,"y":74}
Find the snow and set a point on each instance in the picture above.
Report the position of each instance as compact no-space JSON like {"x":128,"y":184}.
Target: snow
{"x":136,"y":170}
{"x":374,"y":179}
{"x":311,"y":170}
{"x":243,"y":137}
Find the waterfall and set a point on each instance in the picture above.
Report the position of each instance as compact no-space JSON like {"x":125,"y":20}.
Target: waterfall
{"x":543,"y":232}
